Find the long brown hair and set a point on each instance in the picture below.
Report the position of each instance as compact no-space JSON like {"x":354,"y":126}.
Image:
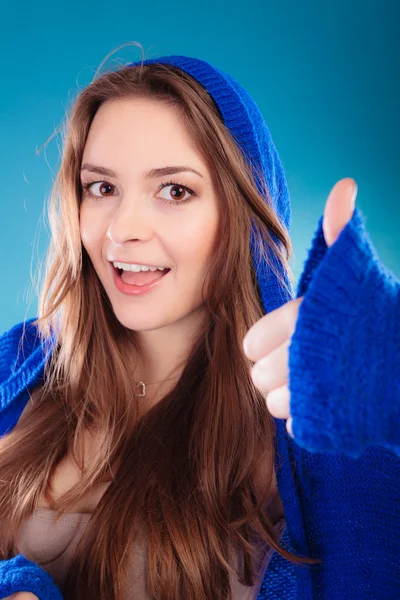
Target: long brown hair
{"x":196,"y":470}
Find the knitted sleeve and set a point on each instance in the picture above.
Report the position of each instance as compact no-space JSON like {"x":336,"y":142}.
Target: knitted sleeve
{"x":344,"y":355}
{"x":19,"y":574}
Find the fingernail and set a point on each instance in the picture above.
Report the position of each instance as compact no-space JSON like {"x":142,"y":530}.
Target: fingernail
{"x":289,"y":427}
{"x":354,"y":195}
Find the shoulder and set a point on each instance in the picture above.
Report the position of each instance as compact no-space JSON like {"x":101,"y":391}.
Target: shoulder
{"x":22,"y":360}
{"x":15,"y":343}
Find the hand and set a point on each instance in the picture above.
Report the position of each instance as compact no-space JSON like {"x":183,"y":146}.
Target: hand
{"x":22,"y":596}
{"x":267,"y":341}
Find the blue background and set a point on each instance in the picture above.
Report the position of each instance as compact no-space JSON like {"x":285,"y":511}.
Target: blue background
{"x":323,"y":74}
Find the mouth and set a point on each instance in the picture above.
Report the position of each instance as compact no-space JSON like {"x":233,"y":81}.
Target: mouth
{"x":156,"y":273}
{"x":137,"y":283}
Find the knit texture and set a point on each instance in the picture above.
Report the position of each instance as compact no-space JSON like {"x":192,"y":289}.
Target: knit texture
{"x":22,"y":575}
{"x":347,"y":396}
{"x":339,"y":479}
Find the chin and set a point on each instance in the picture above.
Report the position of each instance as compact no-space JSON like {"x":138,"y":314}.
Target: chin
{"x":142,"y":324}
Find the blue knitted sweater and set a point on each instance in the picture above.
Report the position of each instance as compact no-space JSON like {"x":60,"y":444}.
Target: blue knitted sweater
{"x":339,"y":478}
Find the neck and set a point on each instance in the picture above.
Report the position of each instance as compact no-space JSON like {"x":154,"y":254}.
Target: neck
{"x":163,"y":352}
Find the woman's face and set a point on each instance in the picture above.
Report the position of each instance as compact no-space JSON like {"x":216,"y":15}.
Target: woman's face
{"x":131,"y":219}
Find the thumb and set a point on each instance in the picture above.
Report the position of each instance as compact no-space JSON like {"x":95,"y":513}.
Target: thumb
{"x":339,"y":208}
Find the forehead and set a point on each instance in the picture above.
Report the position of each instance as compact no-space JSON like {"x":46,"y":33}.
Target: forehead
{"x":140,"y":133}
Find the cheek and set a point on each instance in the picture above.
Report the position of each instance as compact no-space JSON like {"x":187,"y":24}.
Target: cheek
{"x":84,"y":226}
{"x":90,"y":231}
{"x":195,"y":241}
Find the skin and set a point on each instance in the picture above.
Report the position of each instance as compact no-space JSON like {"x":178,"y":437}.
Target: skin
{"x":130,"y":220}
{"x":22,"y":596}
{"x":267,"y":341}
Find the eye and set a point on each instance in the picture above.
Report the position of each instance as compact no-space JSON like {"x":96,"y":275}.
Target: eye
{"x":87,"y":188}
{"x":179,"y":189}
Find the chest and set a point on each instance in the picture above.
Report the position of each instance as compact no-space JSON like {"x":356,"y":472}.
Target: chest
{"x":67,"y":474}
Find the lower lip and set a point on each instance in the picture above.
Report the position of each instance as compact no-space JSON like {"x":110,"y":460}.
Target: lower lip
{"x":134,"y":290}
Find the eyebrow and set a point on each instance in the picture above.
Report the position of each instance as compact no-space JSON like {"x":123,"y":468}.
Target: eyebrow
{"x":160,"y":172}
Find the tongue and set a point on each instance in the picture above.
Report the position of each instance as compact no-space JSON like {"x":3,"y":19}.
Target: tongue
{"x":142,"y":277}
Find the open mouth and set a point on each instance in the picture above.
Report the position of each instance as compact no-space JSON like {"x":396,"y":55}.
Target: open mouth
{"x":139,"y":278}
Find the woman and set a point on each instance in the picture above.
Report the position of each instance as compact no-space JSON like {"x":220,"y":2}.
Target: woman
{"x":147,"y":464}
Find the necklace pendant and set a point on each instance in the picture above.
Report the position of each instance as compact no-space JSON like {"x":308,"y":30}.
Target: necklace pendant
{"x":141,"y":383}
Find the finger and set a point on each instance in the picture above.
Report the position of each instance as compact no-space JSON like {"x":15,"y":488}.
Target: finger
{"x":272,"y":371}
{"x":278,"y":402}
{"x":22,"y":596}
{"x":339,"y":209}
{"x":271,"y":330}
{"x":289,"y":429}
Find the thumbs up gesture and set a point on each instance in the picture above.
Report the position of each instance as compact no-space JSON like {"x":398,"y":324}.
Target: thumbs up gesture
{"x":267,"y":341}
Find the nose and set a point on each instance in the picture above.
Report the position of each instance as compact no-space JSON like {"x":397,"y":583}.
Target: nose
{"x":132,"y":220}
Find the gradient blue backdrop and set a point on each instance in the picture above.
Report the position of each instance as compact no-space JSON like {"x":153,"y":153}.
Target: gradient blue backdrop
{"x":323,"y":74}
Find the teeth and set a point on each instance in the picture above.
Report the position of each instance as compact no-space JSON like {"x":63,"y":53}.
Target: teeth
{"x":135,"y":268}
